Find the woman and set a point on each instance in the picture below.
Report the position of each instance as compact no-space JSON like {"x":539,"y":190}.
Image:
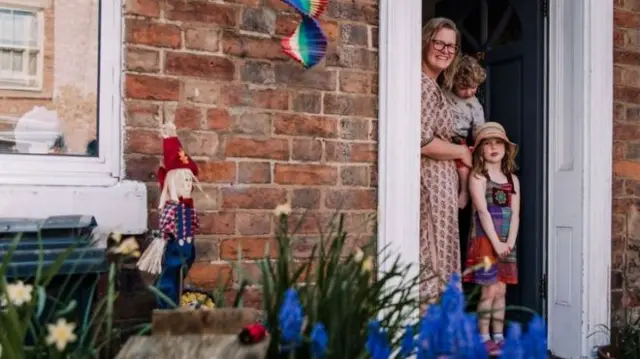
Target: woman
{"x":439,"y":234}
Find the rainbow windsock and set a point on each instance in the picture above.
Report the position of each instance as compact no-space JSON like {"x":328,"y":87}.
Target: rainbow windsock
{"x":308,"y":43}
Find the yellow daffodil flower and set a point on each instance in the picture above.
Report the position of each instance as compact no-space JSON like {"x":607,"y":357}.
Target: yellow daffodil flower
{"x":19,"y":293}
{"x":128,"y":247}
{"x":367,"y":264}
{"x":61,"y":334}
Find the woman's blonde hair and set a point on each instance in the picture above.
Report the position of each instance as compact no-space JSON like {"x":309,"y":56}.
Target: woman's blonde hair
{"x":508,"y":164}
{"x":469,"y":73}
{"x":428,"y":32}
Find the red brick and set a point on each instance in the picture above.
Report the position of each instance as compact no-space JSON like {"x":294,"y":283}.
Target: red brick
{"x":251,"y":123}
{"x":188,"y":117}
{"x":208,"y":275}
{"x":353,"y":11}
{"x":200,"y":38}
{"x":352,"y":58}
{"x":200,"y":66}
{"x":245,"y":2}
{"x":626,"y":131}
{"x":205,"y":92}
{"x":217,"y":172}
{"x":351,"y":199}
{"x":306,"y":198}
{"x":144,"y":32}
{"x":242,"y":45}
{"x":355,"y":82}
{"x":354,"y":129}
{"x":278,"y":5}
{"x":626,"y":19}
{"x":276,"y":149}
{"x":141,"y":168}
{"x":207,"y":249}
{"x":142,"y":60}
{"x":315,"y":126}
{"x":253,"y":197}
{"x":306,"y":149}
{"x":309,"y":102}
{"x":223,"y":223}
{"x":142,"y":114}
{"x":254,"y":172}
{"x":201,"y":143}
{"x":252,"y":248}
{"x":286,"y":23}
{"x":218,"y":119}
{"x":294,"y":75}
{"x":254,"y":223}
{"x":150,"y":8}
{"x":202,"y":11}
{"x":627,"y":169}
{"x":152,"y":88}
{"x":143,"y":141}
{"x":330,"y":29}
{"x":357,"y":176}
{"x":350,"y":152}
{"x":350,"y":105}
{"x":354,"y":34}
{"x":309,"y":222}
{"x":289,"y":174}
{"x":242,"y":96}
{"x":621,"y":57}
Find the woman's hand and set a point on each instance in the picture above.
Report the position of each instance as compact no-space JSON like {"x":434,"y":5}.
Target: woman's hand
{"x":465,"y":156}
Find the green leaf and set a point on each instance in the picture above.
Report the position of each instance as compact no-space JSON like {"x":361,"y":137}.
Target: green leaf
{"x":42,"y":299}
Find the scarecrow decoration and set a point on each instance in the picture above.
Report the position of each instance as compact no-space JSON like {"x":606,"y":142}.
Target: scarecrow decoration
{"x":307,"y":44}
{"x":172,"y":252}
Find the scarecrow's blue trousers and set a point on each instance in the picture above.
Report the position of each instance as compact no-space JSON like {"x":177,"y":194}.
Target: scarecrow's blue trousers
{"x":176,"y":264}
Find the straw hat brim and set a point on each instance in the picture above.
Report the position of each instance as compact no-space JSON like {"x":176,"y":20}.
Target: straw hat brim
{"x":484,"y":135}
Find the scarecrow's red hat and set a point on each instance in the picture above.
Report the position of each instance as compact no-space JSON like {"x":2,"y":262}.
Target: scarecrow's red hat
{"x":174,"y":157}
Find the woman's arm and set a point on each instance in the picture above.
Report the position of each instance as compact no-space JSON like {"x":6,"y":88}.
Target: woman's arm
{"x":478,"y":188}
{"x":515,"y":213}
{"x":442,"y":150}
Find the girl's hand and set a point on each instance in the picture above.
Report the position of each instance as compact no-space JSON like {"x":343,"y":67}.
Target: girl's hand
{"x":502,"y":249}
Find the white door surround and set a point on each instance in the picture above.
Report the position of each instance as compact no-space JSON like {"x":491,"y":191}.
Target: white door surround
{"x":580,"y":93}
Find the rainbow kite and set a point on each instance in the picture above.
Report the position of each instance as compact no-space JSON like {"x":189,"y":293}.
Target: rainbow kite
{"x":307,"y":44}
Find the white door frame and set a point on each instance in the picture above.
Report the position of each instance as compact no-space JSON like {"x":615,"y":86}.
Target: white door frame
{"x":591,"y":45}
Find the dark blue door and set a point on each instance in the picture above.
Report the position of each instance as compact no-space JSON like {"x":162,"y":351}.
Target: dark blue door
{"x":508,"y":37}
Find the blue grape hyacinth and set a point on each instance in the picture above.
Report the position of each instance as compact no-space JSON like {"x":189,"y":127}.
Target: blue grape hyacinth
{"x":378,"y":341}
{"x":319,"y":341}
{"x":290,"y":319}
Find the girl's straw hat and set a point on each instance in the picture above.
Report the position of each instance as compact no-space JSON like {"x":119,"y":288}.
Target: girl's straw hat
{"x":492,"y":130}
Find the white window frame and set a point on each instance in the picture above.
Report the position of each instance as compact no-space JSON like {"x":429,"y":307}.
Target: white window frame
{"x":39,"y":14}
{"x":105,"y":169}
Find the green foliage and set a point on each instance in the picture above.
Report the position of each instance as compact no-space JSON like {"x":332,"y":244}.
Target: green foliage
{"x":91,"y":326}
{"x":338,"y":287}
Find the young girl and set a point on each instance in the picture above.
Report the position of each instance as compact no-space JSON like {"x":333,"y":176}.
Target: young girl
{"x":468,"y":114}
{"x":495,"y":194}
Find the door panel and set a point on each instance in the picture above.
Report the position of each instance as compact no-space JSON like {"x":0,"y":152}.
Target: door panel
{"x":507,"y":36}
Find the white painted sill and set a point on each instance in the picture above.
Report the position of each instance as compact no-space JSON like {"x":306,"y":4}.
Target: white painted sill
{"x":119,"y":207}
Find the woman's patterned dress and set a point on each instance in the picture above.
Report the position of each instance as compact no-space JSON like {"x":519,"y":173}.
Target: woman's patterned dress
{"x":439,"y":233}
{"x":503,"y":270}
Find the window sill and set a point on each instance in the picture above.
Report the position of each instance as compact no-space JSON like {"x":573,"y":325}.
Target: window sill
{"x":120,"y":207}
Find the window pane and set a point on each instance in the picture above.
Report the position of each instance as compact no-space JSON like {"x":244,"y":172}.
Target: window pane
{"x":49,"y":85}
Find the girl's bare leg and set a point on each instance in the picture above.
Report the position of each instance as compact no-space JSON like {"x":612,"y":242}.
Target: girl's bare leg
{"x":498,"y":313}
{"x":484,"y":309}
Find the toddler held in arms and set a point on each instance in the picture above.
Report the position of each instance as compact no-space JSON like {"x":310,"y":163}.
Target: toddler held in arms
{"x":468,"y":114}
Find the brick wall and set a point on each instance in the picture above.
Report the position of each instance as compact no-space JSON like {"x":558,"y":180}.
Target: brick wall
{"x":626,"y":157}
{"x":262,"y":130}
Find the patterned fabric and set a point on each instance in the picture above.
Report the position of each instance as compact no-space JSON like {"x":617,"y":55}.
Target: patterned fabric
{"x":439,"y":233}
{"x":178,"y":220}
{"x":503,"y":270}
{"x":468,"y":115}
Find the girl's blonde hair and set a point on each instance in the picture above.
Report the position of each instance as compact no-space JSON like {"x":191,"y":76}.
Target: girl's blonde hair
{"x":508,"y":165}
{"x":428,"y":32}
{"x":469,"y":73}
{"x":169,"y":191}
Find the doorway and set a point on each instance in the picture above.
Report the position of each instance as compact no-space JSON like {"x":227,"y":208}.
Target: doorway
{"x":507,"y":36}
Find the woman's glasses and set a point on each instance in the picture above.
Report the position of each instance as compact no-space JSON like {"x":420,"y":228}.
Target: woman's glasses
{"x":441,"y":45}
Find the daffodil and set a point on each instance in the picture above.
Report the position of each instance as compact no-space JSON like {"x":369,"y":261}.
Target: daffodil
{"x":367,"y":264}
{"x":128,"y":247}
{"x":282,"y":209}
{"x":116,"y":236}
{"x":61,"y":334}
{"x":487,"y":263}
{"x":358,"y":256}
{"x":19,"y":293}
